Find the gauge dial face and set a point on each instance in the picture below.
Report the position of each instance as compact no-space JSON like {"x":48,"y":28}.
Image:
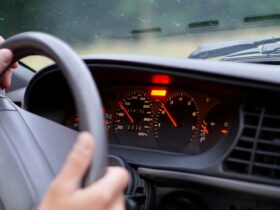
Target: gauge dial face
{"x":133,"y":118}
{"x":176,"y":122}
{"x":73,"y":121}
{"x":215,"y":127}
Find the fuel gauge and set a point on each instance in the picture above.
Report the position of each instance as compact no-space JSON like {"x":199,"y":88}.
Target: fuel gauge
{"x":215,"y":127}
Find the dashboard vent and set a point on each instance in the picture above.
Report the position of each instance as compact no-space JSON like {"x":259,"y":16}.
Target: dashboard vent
{"x":257,"y":152}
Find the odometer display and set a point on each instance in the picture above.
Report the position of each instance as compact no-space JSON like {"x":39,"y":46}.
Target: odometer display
{"x":176,"y":122}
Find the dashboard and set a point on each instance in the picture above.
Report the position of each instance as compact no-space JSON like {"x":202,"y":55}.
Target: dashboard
{"x":163,"y":118}
{"x":177,"y":122}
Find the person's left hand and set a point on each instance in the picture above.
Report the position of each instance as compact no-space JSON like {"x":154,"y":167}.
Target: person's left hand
{"x":6,"y":57}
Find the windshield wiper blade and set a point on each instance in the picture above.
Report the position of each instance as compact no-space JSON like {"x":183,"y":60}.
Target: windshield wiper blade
{"x":226,"y":48}
{"x":262,"y":51}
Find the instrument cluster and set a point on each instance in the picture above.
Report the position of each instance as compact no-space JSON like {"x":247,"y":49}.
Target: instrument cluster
{"x":165,"y":119}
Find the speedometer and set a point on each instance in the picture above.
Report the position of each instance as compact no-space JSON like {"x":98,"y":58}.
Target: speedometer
{"x":133,"y":118}
{"x":176,"y":122}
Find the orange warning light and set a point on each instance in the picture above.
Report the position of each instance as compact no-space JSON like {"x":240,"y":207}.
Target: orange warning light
{"x":160,"y":93}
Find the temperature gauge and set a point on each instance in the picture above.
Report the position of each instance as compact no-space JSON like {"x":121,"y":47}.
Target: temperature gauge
{"x":215,"y":127}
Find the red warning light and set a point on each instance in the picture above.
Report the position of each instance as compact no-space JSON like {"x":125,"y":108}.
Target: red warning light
{"x":160,"y":93}
{"x":161,"y":79}
{"x":224,"y":131}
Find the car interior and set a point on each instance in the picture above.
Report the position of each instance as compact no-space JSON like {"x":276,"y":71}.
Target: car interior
{"x":194,"y":134}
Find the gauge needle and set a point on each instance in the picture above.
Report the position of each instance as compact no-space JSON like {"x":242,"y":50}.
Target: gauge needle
{"x":126,"y":112}
{"x":205,"y":129}
{"x":169,"y":115}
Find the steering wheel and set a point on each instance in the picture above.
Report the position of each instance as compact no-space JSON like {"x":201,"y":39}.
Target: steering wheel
{"x":30,"y":152}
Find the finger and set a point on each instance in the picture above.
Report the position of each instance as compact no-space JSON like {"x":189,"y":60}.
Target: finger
{"x":77,"y":162}
{"x":6,"y":57}
{"x":6,"y":79}
{"x":119,"y":203}
{"x":1,"y":39}
{"x":106,"y":189}
{"x":112,"y":175}
{"x":116,"y":178}
{"x":14,"y":65}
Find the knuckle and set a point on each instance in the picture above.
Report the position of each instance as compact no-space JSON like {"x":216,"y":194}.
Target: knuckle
{"x":123,"y":175}
{"x":105,"y":197}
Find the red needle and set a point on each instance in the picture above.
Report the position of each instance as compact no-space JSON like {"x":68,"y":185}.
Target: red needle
{"x":126,"y":112}
{"x":169,"y":115}
{"x":204,"y":128}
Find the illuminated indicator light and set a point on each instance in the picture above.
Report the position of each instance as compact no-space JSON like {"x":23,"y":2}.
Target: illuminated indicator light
{"x":224,"y":131}
{"x":158,"y":93}
{"x":77,"y":118}
{"x":147,"y":119}
{"x":212,"y":124}
{"x":161,"y":79}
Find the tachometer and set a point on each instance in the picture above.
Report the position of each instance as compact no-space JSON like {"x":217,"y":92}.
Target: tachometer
{"x":133,"y":118}
{"x":176,"y":122}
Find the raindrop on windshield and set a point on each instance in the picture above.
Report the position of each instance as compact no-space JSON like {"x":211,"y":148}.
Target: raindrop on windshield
{"x":176,"y":24}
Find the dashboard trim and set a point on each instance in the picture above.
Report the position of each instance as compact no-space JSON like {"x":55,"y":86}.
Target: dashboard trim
{"x":250,"y":71}
{"x":259,"y":190}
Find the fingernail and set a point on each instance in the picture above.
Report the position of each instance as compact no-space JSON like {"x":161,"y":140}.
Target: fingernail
{"x":6,"y":55}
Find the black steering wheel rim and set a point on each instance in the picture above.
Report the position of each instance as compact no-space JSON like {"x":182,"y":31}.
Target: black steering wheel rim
{"x":81,"y":83}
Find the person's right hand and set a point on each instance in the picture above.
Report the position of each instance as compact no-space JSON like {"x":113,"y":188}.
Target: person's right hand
{"x":105,"y":194}
{"x":6,"y":57}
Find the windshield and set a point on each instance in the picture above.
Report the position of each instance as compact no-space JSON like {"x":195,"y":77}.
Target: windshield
{"x":147,"y":27}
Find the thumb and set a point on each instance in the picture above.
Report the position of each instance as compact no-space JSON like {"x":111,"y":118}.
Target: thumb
{"x":77,"y":162}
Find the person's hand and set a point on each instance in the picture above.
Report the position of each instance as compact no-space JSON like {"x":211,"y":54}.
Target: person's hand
{"x":6,"y":57}
{"x":105,"y":194}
